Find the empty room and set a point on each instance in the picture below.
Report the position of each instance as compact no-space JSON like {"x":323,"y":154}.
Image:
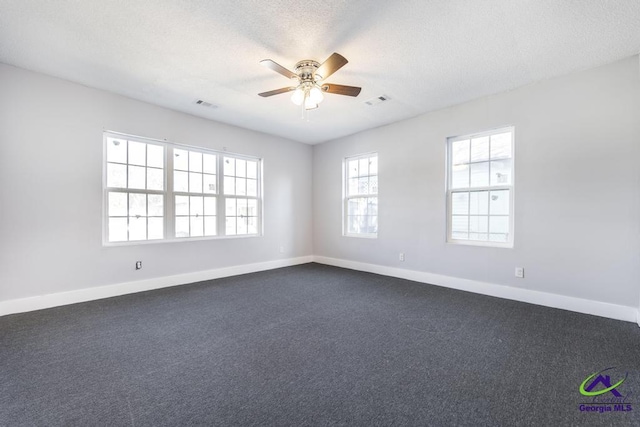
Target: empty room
{"x":420,"y":213}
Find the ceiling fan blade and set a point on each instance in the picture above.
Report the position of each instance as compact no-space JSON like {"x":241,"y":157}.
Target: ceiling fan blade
{"x":331,"y":65}
{"x":278,"y":68}
{"x":341,"y":89}
{"x":277,"y":91}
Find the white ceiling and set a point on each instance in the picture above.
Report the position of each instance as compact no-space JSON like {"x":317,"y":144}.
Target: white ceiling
{"x":423,"y":54}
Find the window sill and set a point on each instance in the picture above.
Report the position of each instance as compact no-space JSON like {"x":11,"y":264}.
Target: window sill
{"x":362,"y":236}
{"x":506,"y":245}
{"x":178,"y":240}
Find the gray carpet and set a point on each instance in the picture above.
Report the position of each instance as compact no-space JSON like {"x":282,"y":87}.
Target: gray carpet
{"x":309,"y":345}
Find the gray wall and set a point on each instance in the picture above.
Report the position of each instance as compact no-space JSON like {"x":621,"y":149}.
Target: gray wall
{"x":577,"y":186}
{"x":51,"y":189}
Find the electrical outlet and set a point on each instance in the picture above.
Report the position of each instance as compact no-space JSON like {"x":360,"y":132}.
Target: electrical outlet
{"x":138,"y":265}
{"x":401,"y":256}
{"x":520,"y":272}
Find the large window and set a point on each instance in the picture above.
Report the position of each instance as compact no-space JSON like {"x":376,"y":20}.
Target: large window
{"x":480,"y":188}
{"x":361,"y":196}
{"x":204,"y":195}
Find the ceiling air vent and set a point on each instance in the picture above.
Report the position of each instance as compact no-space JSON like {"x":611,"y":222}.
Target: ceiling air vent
{"x":205,"y":104}
{"x":377,"y":100}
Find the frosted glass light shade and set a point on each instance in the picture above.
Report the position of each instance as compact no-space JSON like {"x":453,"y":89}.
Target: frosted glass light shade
{"x":298,"y":96}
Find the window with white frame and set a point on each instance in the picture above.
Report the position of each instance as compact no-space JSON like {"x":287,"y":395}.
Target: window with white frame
{"x":161,"y":191}
{"x":480,"y":188}
{"x":361,"y":195}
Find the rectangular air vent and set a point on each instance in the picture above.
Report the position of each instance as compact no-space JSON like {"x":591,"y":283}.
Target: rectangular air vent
{"x":377,"y":100}
{"x":205,"y":104}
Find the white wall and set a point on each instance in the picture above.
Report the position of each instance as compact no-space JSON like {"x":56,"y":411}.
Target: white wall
{"x":51,"y":189}
{"x":577,"y":187}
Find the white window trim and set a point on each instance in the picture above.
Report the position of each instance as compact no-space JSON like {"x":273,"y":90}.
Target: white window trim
{"x":169,"y":194}
{"x":511,"y":187}
{"x":345,"y":197}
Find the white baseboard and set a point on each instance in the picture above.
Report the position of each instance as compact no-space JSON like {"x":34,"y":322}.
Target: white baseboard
{"x":596,"y":308}
{"x":89,"y":294}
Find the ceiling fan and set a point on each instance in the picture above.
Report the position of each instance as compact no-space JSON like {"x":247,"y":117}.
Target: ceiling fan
{"x":310,"y":76}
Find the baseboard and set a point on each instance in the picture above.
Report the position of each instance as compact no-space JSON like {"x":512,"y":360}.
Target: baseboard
{"x":89,"y":294}
{"x":596,"y":308}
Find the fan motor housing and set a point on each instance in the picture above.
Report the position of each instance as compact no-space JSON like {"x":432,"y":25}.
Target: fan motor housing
{"x":306,"y":69}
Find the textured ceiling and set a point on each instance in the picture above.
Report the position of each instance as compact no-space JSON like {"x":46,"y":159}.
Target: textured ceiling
{"x":423,"y":54}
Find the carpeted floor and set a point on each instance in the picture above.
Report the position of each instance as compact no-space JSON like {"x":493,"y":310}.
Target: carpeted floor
{"x":310,"y":345}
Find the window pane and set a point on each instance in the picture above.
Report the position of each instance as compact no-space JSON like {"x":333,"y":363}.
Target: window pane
{"x":501,"y":172}
{"x":241,"y":186}
{"x":137,"y":204}
{"x":180,"y":181}
{"x":230,"y":226}
{"x":460,"y":203}
{"x":372,"y":208}
{"x":230,"y":207}
{"x":229,"y":166}
{"x":195,"y":161}
{"x":363,"y":186}
{"x":196,"y":206}
{"x":372,"y":224}
{"x":195,"y":182}
{"x":479,"y":174}
{"x":116,"y":176}
{"x":373,"y":185}
{"x":499,"y":202}
{"x":252,"y":169}
{"x":462,"y":235}
{"x":241,"y":206}
{"x":460,"y":176}
{"x":501,"y":145}
{"x":137,"y":228}
{"x":209,"y":184}
{"x":252,"y":207}
{"x":460,"y":223}
{"x":353,"y":224}
{"x":210,"y":226}
{"x":229,"y":185}
{"x":353,"y":169}
{"x":241,"y":168}
{"x":480,"y":149}
{"x":116,"y":150}
{"x":182,"y":205}
{"x":252,"y":187}
{"x":155,"y":156}
{"x":479,"y":224}
{"x":363,"y":167}
{"x":155,"y":205}
{"x":209,"y":163}
{"x":117,"y":204}
{"x":137,"y":177}
{"x":373,"y":165}
{"x":155,"y":179}
{"x":117,"y":229}
{"x":481,"y":237}
{"x":137,"y":153}
{"x":180,"y":159}
{"x":460,"y":152}
{"x":252,"y":226}
{"x":353,"y":187}
{"x":156,"y":226}
{"x":498,"y":237}
{"x":242,"y":225}
{"x":182,"y":226}
{"x":499,"y":224}
{"x":210,"y":206}
{"x":197,"y":226}
{"x":479,"y":203}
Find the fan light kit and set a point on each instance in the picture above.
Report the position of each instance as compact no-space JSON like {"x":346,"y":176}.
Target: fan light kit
{"x":309,"y":76}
